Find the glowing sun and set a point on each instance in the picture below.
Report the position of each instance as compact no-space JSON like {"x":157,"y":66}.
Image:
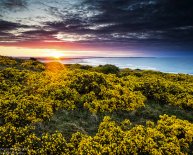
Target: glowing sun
{"x":56,"y":54}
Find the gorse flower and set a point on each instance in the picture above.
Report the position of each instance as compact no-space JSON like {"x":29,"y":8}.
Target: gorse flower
{"x":31,"y":95}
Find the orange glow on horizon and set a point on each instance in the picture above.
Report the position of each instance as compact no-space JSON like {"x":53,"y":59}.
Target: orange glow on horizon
{"x":59,"y":53}
{"x":46,"y":45}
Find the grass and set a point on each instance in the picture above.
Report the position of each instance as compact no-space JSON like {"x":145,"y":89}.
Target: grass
{"x":68,"y":122}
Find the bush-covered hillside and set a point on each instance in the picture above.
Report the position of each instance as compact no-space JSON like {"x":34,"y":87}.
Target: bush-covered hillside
{"x":73,"y":109}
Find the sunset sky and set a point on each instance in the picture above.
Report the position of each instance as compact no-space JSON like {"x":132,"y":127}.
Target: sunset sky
{"x":96,"y":27}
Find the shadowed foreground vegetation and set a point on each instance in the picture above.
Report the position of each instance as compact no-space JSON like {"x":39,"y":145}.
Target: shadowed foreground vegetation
{"x":73,"y":109}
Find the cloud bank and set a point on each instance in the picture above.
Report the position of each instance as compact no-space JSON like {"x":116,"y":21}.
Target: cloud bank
{"x":114,"y":24}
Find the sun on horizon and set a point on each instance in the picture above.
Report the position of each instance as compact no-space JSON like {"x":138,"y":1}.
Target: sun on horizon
{"x":55,"y":54}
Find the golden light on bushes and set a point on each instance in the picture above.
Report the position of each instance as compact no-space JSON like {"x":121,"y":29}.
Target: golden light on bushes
{"x":54,"y":66}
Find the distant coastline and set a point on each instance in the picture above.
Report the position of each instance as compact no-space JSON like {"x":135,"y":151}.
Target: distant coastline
{"x":163,"y":64}
{"x":174,"y":65}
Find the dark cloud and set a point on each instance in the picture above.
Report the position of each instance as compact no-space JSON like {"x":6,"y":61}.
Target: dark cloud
{"x":5,"y":25}
{"x":110,"y":22}
{"x":13,"y":4}
{"x":132,"y":20}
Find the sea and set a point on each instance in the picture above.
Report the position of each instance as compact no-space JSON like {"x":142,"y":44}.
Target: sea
{"x":164,"y":64}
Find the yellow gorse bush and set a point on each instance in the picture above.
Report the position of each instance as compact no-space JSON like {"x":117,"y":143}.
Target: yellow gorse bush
{"x":30,"y":95}
{"x":168,"y":136}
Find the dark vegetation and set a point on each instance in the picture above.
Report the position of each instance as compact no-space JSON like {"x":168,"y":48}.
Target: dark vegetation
{"x":73,"y":109}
